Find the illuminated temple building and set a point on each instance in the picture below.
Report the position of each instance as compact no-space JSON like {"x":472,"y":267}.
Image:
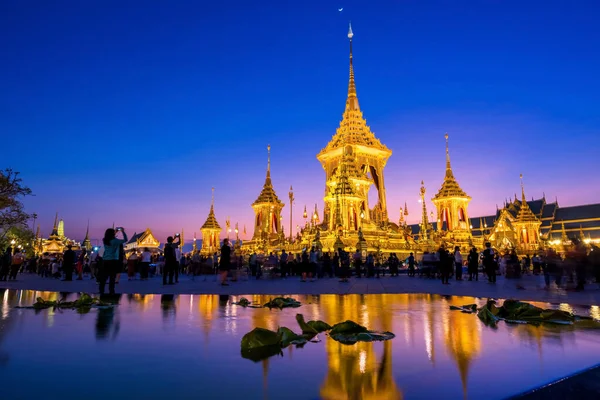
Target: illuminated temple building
{"x":57,"y":242}
{"x":354,"y":162}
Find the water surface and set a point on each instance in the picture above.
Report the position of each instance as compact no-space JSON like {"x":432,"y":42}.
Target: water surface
{"x":155,"y":346}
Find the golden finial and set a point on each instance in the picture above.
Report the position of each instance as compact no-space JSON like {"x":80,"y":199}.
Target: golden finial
{"x":268,"y":158}
{"x":448,"y":166}
{"x":405,"y":209}
{"x":352,"y":102}
{"x":212,"y":199}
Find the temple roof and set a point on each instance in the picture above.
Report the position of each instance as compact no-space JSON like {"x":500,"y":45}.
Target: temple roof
{"x":211,"y":220}
{"x":450,"y":187}
{"x":353,"y":129}
{"x":267,"y":194}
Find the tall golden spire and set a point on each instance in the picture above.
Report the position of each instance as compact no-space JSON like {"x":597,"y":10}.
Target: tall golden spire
{"x":525,"y":213}
{"x":268,"y":195}
{"x":211,"y":220}
{"x":55,"y":227}
{"x":449,"y":174}
{"x":353,"y":128}
{"x":450,"y":187}
{"x":352,"y":101}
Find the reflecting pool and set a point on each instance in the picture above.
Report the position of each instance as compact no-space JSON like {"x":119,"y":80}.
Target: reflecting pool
{"x":181,"y":346}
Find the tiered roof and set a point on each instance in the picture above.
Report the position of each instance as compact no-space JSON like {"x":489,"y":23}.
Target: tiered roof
{"x":353,"y":128}
{"x":450,"y":187}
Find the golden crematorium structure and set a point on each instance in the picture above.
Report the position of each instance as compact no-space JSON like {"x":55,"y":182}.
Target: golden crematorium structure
{"x":354,"y":161}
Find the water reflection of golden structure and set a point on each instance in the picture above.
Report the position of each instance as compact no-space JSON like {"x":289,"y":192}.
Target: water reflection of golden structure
{"x":208,"y":305}
{"x":355,"y":372}
{"x":462,"y":334}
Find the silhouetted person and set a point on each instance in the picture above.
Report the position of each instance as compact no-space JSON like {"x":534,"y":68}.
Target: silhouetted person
{"x":69,"y":258}
{"x":5,"y":264}
{"x":458,"y":263}
{"x":473,"y":264}
{"x":411,"y":265}
{"x":225,"y":262}
{"x":489,"y":262}
{"x":445,"y":265}
{"x":170,"y":259}
{"x":110,"y":259}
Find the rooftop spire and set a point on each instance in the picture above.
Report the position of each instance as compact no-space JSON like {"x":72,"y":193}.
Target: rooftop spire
{"x":450,"y":187}
{"x":212,"y":198}
{"x":352,"y":101}
{"x":449,"y":173}
{"x":522,"y":189}
{"x":268,"y":160}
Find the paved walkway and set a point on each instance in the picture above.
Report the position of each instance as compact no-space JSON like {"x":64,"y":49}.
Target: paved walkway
{"x":505,"y":288}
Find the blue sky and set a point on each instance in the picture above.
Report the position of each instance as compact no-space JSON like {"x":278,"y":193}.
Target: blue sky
{"x":131,"y":111}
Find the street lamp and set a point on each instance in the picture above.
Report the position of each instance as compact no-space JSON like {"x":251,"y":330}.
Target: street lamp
{"x":12,"y":242}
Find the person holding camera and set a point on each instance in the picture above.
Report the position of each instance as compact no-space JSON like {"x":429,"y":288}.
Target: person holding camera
{"x":110,"y":259}
{"x":171,"y":263}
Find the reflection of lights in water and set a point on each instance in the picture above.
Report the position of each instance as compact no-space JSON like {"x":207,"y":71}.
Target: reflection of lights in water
{"x":407,"y":328}
{"x":595,"y":312}
{"x":5,"y":305}
{"x":230,"y":318}
{"x":565,"y":307}
{"x":362,"y":362}
{"x":428,"y":340}
{"x":364,"y":315}
{"x":51,"y":313}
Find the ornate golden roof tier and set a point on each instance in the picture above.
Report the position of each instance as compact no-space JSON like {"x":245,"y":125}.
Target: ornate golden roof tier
{"x":267,"y":194}
{"x":525,"y":214}
{"x":450,"y":187}
{"x":211,"y":220}
{"x":353,"y":129}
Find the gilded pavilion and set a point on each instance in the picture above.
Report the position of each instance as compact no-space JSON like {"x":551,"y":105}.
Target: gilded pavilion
{"x":57,"y":241}
{"x":210,"y":231}
{"x":142,"y":240}
{"x":354,"y":161}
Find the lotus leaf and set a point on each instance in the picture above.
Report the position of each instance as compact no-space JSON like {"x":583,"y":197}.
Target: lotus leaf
{"x":369,"y":336}
{"x":488,"y":314}
{"x":319,"y":326}
{"x":244,"y":302}
{"x":306,"y":328}
{"x":260,"y":337}
{"x":347,"y":327}
{"x":282,"y":302}
{"x":82,"y":304}
{"x":288,"y":337}
{"x":468,"y":309}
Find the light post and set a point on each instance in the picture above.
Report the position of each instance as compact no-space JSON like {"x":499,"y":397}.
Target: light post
{"x":291,"y":197}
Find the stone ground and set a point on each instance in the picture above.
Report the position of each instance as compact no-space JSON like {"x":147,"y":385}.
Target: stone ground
{"x":581,"y":386}
{"x":531,"y":287}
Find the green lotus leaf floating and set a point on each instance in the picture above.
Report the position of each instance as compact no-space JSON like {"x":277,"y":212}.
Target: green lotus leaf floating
{"x":518,"y":312}
{"x":260,"y":337}
{"x":83,"y":304}
{"x":261,"y":343}
{"x":312,"y":327}
{"x":244,"y":302}
{"x":282,"y":302}
{"x":349,"y":332}
{"x":289,"y":337}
